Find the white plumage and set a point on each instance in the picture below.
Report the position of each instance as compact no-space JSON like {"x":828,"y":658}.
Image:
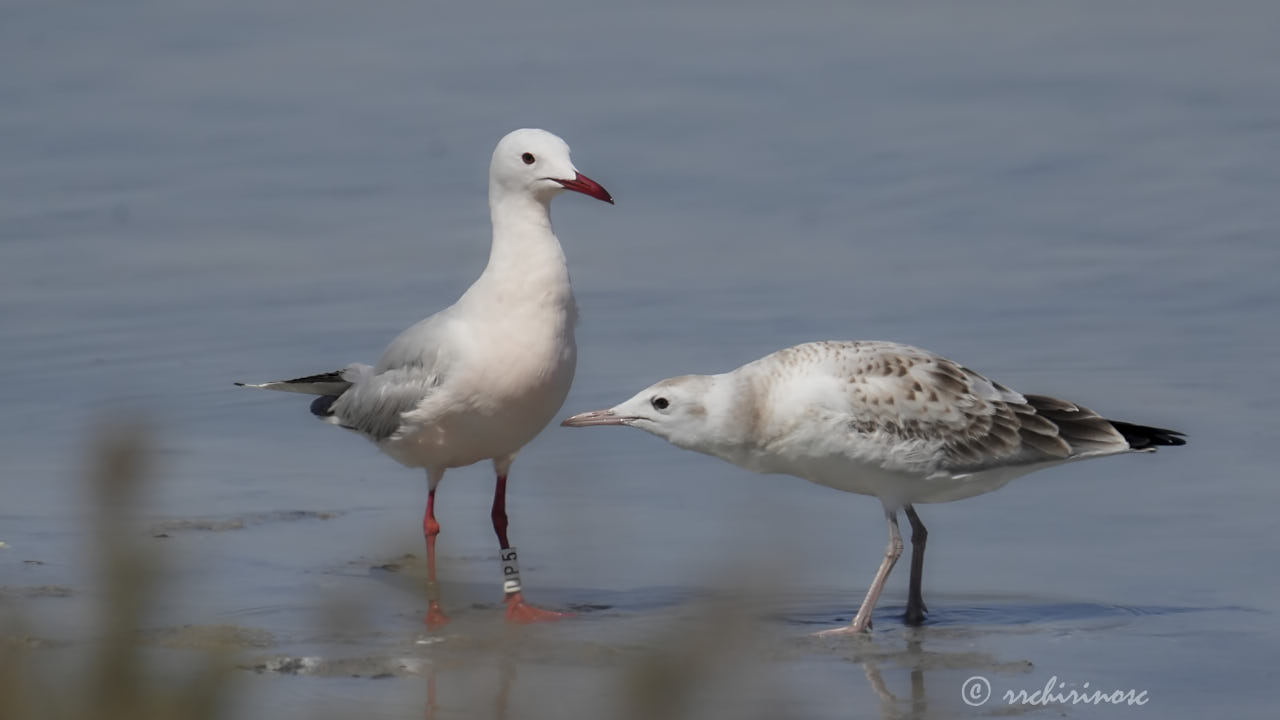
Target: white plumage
{"x":479,"y":379}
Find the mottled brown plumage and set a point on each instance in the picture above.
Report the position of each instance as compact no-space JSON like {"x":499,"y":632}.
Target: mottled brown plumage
{"x":876,"y":418}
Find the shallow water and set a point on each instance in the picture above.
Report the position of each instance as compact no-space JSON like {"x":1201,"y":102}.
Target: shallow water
{"x":1073,"y":201}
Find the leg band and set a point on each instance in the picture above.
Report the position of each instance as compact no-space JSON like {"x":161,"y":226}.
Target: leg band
{"x":510,"y":570}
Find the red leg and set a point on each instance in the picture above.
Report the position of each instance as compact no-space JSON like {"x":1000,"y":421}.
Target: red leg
{"x":430,"y":529}
{"x":499,"y":512}
{"x":518,"y":611}
{"x":431,"y":691}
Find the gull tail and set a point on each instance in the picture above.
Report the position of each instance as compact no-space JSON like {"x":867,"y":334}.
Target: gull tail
{"x":330,"y":383}
{"x":329,"y":386}
{"x":1143,"y":437}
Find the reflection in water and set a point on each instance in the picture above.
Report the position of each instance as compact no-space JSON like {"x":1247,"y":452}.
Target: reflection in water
{"x":668,"y":653}
{"x":506,"y":678}
{"x":890,"y":705}
{"x":947,"y":668}
{"x":705,"y":659}
{"x":917,"y":660}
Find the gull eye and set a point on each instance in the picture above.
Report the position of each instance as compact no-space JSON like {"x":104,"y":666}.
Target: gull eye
{"x":659,"y":403}
{"x":527,"y":158}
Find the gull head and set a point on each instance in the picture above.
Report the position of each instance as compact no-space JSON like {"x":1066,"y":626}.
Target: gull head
{"x":681,"y":410}
{"x":536,"y":162}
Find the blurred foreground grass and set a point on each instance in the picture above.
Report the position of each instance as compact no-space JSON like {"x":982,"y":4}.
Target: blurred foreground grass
{"x":125,"y":668}
{"x":110,"y":675}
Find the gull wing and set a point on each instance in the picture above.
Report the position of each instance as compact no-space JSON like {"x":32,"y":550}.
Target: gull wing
{"x":916,"y":410}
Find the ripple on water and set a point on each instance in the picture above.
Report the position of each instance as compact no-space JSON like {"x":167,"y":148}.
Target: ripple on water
{"x":979,"y":611}
{"x":223,"y":523}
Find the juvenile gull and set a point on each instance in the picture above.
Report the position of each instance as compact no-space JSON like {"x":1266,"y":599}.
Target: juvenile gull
{"x":479,"y":379}
{"x":876,"y":418}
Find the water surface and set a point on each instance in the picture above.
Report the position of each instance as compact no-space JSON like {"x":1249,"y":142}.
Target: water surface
{"x":1073,"y":200}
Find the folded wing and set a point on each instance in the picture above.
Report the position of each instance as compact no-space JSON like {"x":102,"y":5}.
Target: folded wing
{"x":926,"y":412}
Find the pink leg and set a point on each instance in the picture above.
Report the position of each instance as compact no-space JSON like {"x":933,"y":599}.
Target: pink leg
{"x":430,"y":529}
{"x":862,"y":621}
{"x":518,"y":611}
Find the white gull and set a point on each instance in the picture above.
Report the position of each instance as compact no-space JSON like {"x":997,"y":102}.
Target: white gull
{"x":876,"y":418}
{"x":479,"y":379}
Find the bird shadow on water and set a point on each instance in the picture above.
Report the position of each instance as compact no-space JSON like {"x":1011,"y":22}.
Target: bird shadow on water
{"x":971,"y":612}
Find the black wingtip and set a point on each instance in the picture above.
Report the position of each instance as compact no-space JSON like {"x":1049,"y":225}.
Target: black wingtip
{"x":238,"y":384}
{"x":1141,"y":437}
{"x":320,"y":407}
{"x":329,"y":377}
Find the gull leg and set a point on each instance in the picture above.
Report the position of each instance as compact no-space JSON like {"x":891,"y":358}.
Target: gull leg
{"x":915,"y":600}
{"x":430,"y":529}
{"x":862,"y":621}
{"x":518,"y":611}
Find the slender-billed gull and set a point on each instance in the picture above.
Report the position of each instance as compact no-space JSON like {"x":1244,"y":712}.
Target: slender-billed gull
{"x":479,"y":379}
{"x":876,"y":418}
